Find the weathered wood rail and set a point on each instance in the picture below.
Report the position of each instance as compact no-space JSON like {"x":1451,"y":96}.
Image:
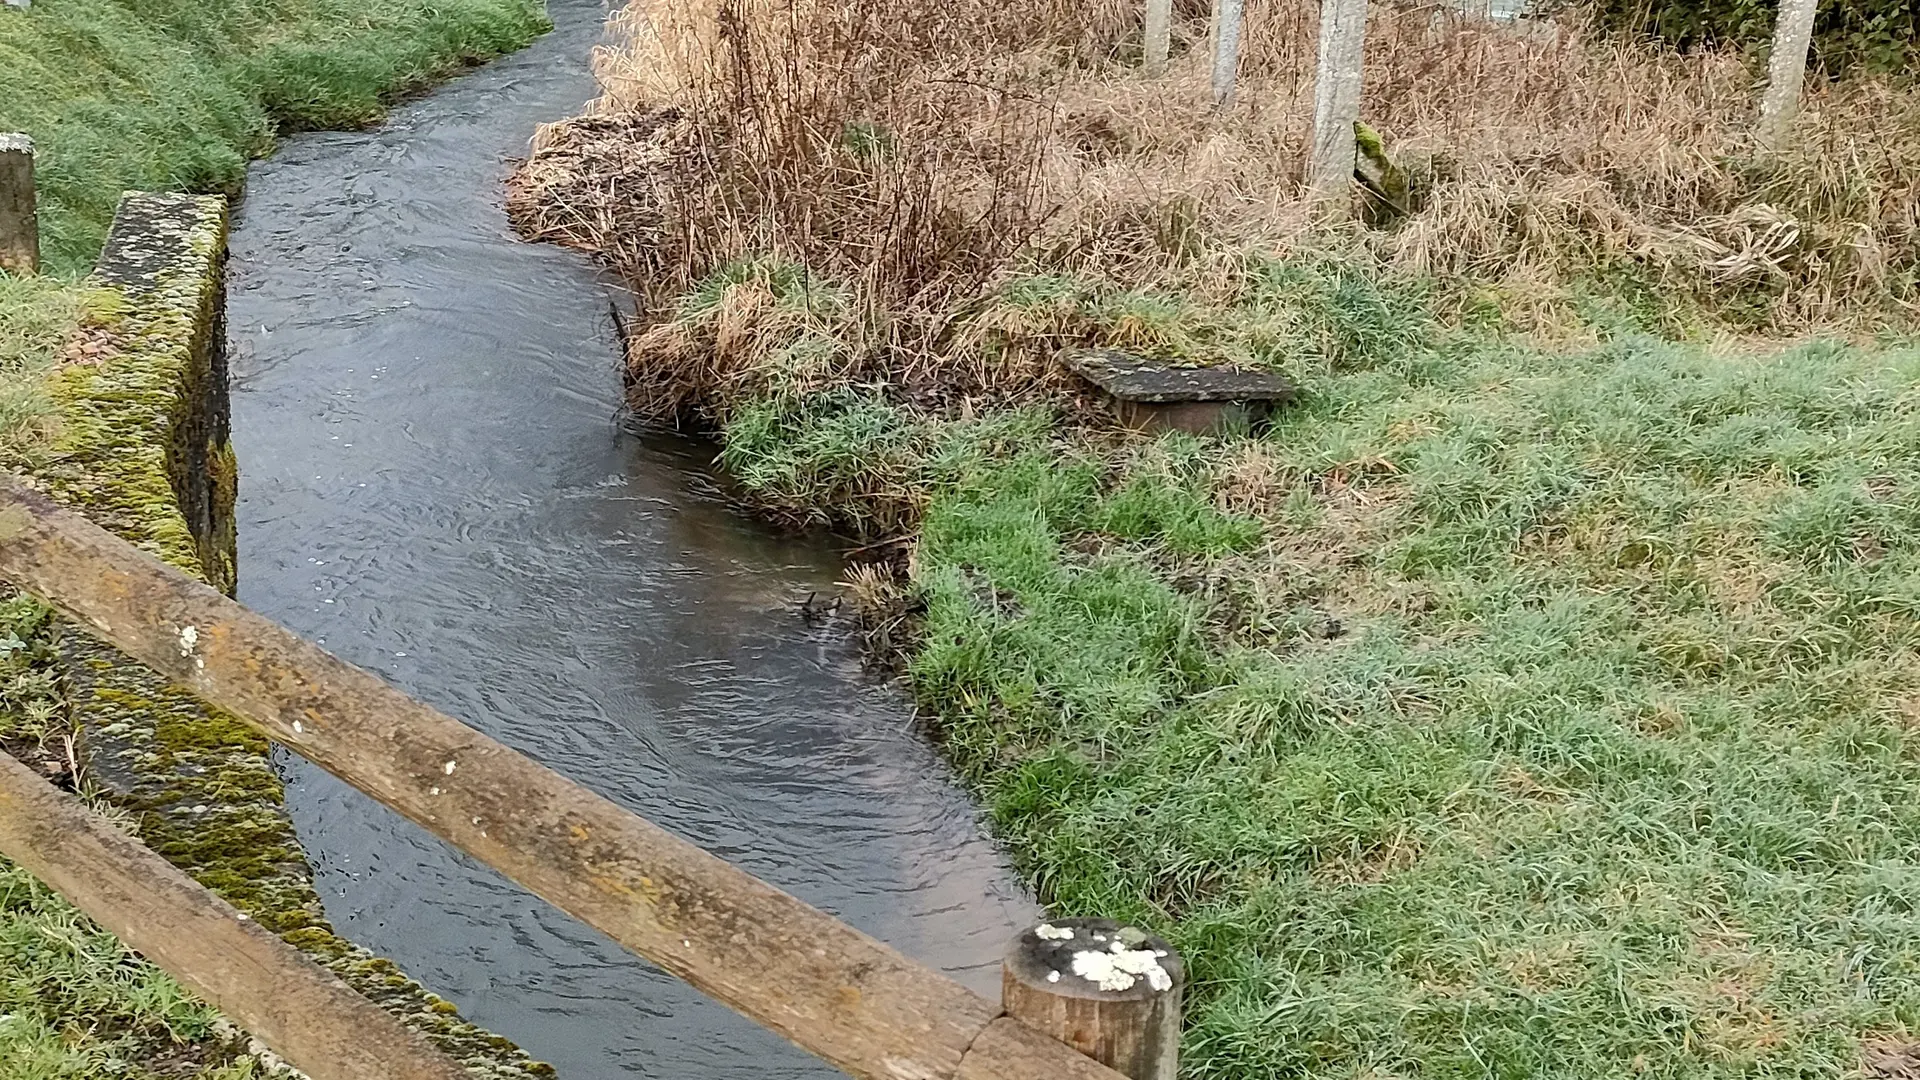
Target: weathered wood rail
{"x":267,"y":986}
{"x":825,"y":986}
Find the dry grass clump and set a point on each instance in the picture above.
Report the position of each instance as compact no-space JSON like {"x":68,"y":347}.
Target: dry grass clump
{"x":918,"y":158}
{"x":894,"y":148}
{"x":1543,"y":154}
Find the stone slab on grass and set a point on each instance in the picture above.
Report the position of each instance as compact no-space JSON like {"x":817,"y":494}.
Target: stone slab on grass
{"x":1152,"y":395}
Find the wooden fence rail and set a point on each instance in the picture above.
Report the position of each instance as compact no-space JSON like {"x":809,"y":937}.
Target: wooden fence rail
{"x":850,"y":999}
{"x":289,"y":1002}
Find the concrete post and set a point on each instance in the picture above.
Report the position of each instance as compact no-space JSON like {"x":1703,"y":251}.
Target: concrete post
{"x":1336,"y":98}
{"x":1227,"y":17}
{"x":1159,"y":30}
{"x":1110,"y":991}
{"x":19,"y":219}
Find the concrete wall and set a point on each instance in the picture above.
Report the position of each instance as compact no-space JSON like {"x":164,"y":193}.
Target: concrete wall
{"x":144,"y":451}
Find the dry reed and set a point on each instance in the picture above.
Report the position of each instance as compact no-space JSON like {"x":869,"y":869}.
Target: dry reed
{"x":916,"y":157}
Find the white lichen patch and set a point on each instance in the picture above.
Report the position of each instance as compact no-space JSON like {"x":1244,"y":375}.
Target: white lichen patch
{"x":189,"y":637}
{"x":1118,"y":968}
{"x":448,"y":768}
{"x":1050,"y":932}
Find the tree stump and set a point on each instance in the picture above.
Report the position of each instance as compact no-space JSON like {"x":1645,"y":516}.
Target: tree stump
{"x":1110,"y":991}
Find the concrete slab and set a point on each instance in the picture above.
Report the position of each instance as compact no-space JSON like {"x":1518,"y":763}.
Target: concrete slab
{"x":1152,"y":395}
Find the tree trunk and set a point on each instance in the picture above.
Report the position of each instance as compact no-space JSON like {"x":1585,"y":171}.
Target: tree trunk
{"x":1336,"y":97}
{"x":1227,"y":17}
{"x":1786,"y":70}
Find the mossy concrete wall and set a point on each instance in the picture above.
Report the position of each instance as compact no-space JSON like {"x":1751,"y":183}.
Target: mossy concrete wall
{"x":144,"y":452}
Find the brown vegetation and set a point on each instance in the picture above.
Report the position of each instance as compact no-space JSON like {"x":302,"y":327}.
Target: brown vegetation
{"x":913,"y":156}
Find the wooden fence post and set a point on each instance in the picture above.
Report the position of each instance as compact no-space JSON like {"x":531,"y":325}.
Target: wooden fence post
{"x":1786,"y":71}
{"x":1159,"y":31}
{"x":1110,"y":991}
{"x":19,"y":220}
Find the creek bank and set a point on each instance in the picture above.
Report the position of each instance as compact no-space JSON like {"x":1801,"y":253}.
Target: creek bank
{"x":152,"y":95}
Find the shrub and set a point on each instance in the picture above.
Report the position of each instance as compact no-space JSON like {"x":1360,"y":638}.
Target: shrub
{"x":1878,"y":35}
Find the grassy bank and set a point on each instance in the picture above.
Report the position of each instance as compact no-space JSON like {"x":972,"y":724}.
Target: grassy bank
{"x":38,"y":321}
{"x":1536,"y":698}
{"x":156,"y":95}
{"x":168,"y":95}
{"x":1501,"y":711}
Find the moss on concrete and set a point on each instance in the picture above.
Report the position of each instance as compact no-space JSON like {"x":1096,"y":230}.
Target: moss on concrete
{"x":144,"y":451}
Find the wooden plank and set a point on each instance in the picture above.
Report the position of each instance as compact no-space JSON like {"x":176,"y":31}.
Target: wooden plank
{"x":19,"y":217}
{"x":827,"y":987}
{"x":297,"y":1008}
{"x":1011,"y":1050}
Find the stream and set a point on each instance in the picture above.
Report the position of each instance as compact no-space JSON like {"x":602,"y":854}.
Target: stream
{"x":435,"y":486}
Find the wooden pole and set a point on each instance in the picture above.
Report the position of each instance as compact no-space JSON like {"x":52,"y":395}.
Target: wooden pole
{"x":1159,"y":33}
{"x":815,"y":980}
{"x":1111,"y":992}
{"x":297,"y":1008}
{"x":1227,"y":17}
{"x":19,"y":218}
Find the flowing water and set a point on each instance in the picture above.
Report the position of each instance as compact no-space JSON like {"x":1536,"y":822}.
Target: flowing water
{"x":435,"y":487}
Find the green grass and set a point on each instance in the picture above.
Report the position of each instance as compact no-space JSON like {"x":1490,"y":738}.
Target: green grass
{"x":1500,"y":712}
{"x":179,"y":94}
{"x":75,"y":1004}
{"x":36,"y":317}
